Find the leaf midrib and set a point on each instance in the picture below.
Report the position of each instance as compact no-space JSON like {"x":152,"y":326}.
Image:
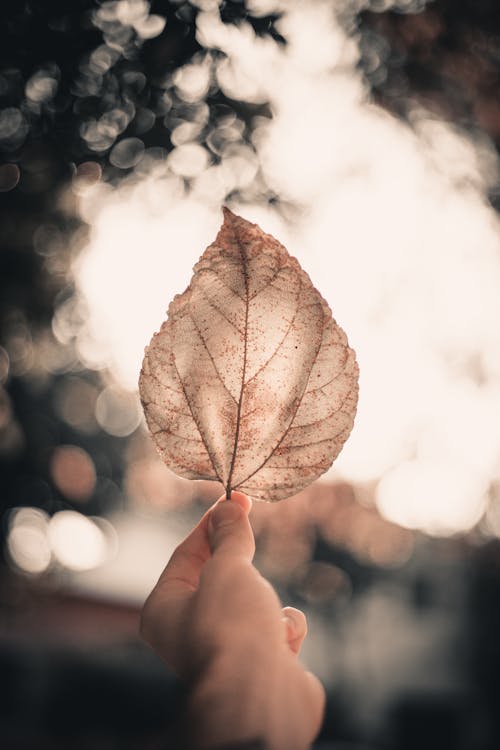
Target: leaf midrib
{"x":244,"y":367}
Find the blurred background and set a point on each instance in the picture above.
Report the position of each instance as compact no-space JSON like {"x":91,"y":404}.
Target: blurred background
{"x":365,"y":135}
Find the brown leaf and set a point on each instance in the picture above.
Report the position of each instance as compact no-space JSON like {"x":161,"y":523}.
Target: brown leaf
{"x":250,"y":382}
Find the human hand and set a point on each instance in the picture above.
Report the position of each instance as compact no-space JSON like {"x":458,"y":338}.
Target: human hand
{"x":220,"y":626}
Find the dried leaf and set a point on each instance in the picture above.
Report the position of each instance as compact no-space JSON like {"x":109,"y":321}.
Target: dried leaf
{"x":250,"y":382}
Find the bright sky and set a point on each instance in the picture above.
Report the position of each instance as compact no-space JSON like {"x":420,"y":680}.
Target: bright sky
{"x":394,"y":230}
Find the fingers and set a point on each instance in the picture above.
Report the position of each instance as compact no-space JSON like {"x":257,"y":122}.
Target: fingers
{"x":229,"y":530}
{"x":164,"y":606}
{"x":182,"y":572}
{"x":163,"y":609}
{"x":184,"y":567}
{"x":296,"y":627}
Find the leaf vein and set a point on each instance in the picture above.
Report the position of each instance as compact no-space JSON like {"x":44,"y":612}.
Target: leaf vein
{"x":205,"y":346}
{"x":180,"y":437}
{"x":306,"y":445}
{"x":326,"y":416}
{"x":268,"y":283}
{"x":221,"y":312}
{"x":229,"y":288}
{"x":209,"y":454}
{"x":164,"y":385}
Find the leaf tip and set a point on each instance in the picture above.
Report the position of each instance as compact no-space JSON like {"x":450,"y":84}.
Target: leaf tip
{"x":228,"y":214}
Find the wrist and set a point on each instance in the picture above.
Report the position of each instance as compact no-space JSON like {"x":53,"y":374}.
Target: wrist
{"x":229,"y":701}
{"x":248,"y":694}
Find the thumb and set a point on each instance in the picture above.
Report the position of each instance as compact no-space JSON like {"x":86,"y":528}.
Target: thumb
{"x":229,"y":530}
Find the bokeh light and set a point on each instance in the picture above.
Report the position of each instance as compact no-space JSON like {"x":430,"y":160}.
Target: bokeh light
{"x":78,"y":542}
{"x":73,"y":472}
{"x":27,"y":540}
{"x":431,"y":496}
{"x":42,"y":86}
{"x":118,"y":412}
{"x":13,"y":128}
{"x":75,"y":402}
{"x":9,"y":177}
{"x":321,"y":583}
{"x":19,"y":346}
{"x":87,"y":174}
{"x":127,"y":153}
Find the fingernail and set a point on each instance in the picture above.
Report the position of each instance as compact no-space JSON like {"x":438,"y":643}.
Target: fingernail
{"x":224,"y":513}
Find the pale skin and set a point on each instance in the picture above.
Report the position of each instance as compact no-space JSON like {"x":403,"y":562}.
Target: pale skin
{"x":220,"y":626}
